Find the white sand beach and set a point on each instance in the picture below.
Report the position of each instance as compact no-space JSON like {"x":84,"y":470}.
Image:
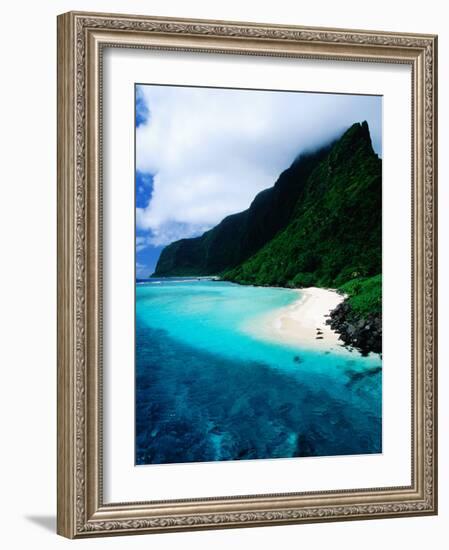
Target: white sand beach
{"x":302,"y":323}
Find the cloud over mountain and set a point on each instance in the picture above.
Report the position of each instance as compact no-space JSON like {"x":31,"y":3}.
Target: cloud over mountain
{"x":210,"y":151}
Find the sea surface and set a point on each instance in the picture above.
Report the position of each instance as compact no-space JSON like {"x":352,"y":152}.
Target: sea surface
{"x":207,"y":390}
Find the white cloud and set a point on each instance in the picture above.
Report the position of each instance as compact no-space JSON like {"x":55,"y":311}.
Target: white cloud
{"x":210,"y":151}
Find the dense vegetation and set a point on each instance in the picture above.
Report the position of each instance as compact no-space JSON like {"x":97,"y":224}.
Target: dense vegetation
{"x":364,"y":295}
{"x":358,"y":319}
{"x":320,"y":225}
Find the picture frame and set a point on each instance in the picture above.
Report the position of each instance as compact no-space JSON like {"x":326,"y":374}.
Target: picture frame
{"x":82,"y":39}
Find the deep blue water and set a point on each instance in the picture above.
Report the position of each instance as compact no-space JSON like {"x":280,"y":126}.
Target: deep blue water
{"x":206,"y":390}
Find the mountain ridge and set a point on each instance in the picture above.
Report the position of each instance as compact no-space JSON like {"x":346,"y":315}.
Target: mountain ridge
{"x":240,"y":235}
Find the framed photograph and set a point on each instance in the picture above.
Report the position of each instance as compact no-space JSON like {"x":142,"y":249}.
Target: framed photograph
{"x":246,"y":274}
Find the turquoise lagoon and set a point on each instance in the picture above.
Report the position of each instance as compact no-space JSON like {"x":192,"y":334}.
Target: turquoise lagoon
{"x":208,"y":390}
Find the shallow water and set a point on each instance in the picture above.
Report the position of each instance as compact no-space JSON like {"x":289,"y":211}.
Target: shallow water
{"x":207,"y":390}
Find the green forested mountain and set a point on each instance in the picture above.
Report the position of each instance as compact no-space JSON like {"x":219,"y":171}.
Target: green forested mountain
{"x":241,"y":235}
{"x":320,"y":224}
{"x":335,"y":232}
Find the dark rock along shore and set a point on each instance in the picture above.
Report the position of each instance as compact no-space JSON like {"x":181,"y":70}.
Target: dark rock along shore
{"x":362,"y":333}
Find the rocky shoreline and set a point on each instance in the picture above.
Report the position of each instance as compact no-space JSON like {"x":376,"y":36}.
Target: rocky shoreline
{"x":362,"y":333}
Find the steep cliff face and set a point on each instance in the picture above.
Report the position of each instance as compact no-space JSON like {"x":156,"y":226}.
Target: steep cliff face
{"x":335,"y":231}
{"x":241,"y":235}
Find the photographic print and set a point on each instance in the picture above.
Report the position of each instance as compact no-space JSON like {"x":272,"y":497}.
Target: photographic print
{"x":247,"y":274}
{"x":258,"y":274}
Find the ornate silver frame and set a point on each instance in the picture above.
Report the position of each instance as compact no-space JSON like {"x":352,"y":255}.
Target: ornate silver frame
{"x":81,"y":38}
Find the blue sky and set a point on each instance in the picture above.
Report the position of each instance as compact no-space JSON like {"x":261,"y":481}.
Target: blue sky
{"x":146,"y":253}
{"x":204,"y":153}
